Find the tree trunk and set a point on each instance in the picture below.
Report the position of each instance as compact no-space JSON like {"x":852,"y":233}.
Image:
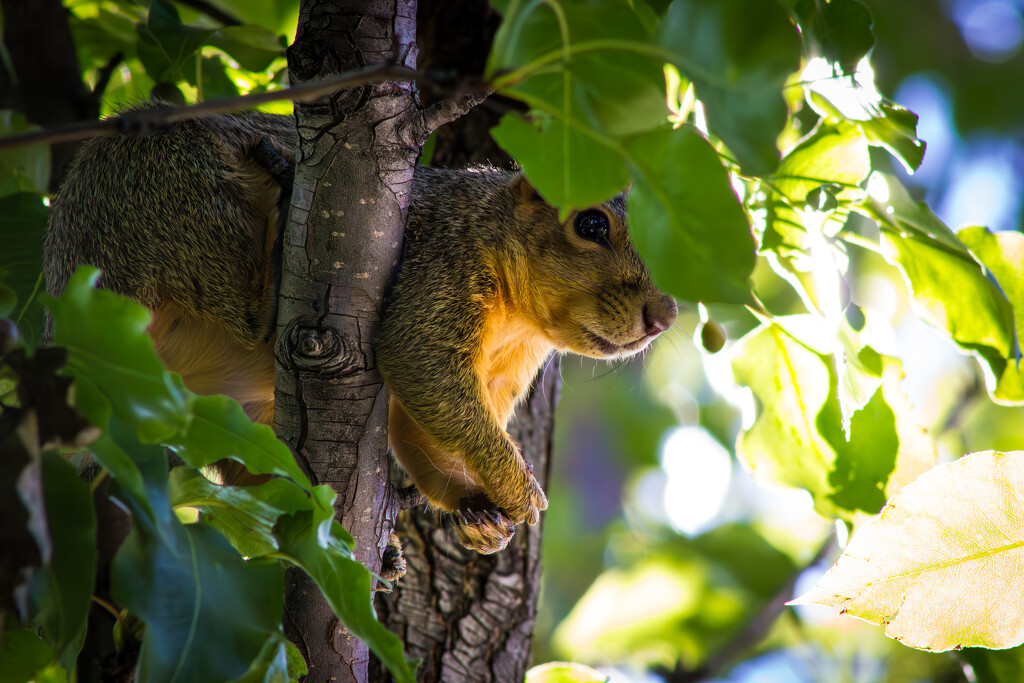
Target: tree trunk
{"x":351,"y":192}
{"x":470,"y":617}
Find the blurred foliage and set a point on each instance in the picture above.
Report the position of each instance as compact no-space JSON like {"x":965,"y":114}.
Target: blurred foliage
{"x":833,"y":314}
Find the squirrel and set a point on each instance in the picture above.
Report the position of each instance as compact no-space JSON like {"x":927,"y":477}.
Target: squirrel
{"x":187,"y":220}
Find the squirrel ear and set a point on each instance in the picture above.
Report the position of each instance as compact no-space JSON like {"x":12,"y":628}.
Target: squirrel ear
{"x":523,"y":191}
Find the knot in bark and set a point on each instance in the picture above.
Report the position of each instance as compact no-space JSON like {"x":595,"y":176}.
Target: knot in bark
{"x":310,"y":346}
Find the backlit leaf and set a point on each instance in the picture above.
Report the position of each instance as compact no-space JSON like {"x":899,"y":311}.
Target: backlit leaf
{"x":942,"y":566}
{"x":738,"y":55}
{"x":791,"y":383}
{"x":949,"y":287}
{"x":1003,"y":255}
{"x":839,"y":31}
{"x":253,"y":47}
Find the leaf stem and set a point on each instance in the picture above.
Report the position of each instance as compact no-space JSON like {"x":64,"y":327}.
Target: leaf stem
{"x":564,"y":52}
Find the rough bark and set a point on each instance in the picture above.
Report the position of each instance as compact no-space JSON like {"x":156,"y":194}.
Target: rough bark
{"x":354,"y":170}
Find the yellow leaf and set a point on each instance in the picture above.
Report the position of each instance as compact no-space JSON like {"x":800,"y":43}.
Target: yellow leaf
{"x":942,"y":566}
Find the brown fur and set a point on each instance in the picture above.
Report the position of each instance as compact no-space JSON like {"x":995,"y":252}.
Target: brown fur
{"x":492,"y":282}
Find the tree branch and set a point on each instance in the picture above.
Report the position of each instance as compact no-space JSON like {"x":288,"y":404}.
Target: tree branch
{"x":446,"y":111}
{"x":144,"y":122}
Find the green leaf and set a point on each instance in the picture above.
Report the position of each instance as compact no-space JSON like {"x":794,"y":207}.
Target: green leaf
{"x":685,"y":218}
{"x":279,"y":662}
{"x":949,"y":288}
{"x":950,"y":291}
{"x":61,"y":591}
{"x":207,"y":612}
{"x":540,"y":33}
{"x":279,"y":16}
{"x":590,"y":75}
{"x":275,"y":517}
{"x":565,"y":164}
{"x":1002,"y":254}
{"x":940,"y":566}
{"x":862,"y":375}
{"x":213,"y":81}
{"x":120,"y":466}
{"x":864,"y":461}
{"x":839,"y":30}
{"x":791,"y":383}
{"x":346,"y":584}
{"x":112,"y":357}
{"x":830,"y":154}
{"x":177,"y":41}
{"x":245,"y":515}
{"x":895,"y":128}
{"x":105,"y":335}
{"x":253,"y":47}
{"x":892,"y":206}
{"x":832,"y":159}
{"x":219,"y":428}
{"x":621,"y":93}
{"x":126,"y":385}
{"x":738,"y":55}
{"x":22,"y":655}
{"x":846,"y":465}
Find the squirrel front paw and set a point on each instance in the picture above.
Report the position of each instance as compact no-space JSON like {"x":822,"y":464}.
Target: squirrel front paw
{"x":522,"y":503}
{"x":482,"y":526}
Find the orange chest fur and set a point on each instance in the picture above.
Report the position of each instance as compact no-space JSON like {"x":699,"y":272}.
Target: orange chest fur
{"x":510,"y":354}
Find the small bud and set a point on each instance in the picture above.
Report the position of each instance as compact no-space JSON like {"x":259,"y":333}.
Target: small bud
{"x":712,"y":336}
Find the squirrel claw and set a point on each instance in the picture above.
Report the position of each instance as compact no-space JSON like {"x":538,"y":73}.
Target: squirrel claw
{"x":481,"y":526}
{"x":392,"y":565}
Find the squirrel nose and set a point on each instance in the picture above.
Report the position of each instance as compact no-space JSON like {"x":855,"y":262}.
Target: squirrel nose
{"x":659,"y":315}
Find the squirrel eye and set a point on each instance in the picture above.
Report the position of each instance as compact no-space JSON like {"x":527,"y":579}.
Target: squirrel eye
{"x":592,"y":225}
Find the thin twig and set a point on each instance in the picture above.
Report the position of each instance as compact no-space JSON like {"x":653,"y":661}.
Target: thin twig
{"x":447,"y":110}
{"x":141,"y":122}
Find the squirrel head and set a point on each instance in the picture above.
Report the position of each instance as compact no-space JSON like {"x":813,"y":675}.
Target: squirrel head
{"x":586,"y":286}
